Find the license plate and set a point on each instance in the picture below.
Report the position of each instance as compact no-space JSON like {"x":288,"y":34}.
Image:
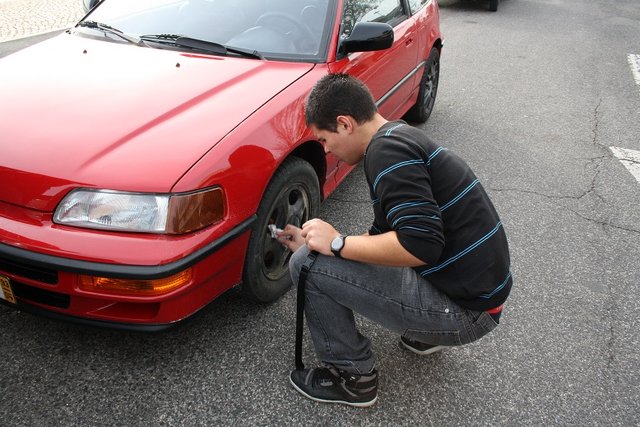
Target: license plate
{"x":6,"y":293}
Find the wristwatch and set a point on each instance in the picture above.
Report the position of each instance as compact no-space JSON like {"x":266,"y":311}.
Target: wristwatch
{"x":337,"y":244}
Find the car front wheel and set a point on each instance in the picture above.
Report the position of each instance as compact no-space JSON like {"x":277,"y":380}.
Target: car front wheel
{"x":292,"y":197}
{"x":423,"y":107}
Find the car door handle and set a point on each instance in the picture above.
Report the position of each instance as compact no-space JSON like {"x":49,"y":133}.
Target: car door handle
{"x":408,"y":41}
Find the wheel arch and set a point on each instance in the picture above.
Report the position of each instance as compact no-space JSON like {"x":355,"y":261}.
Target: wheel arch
{"x":438,"y":44}
{"x":313,"y":153}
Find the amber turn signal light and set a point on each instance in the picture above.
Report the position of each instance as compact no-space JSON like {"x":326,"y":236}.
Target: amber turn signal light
{"x":135,"y":286}
{"x":191,"y":212}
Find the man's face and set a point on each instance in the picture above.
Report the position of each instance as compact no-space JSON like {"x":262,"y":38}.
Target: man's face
{"x":343,"y":143}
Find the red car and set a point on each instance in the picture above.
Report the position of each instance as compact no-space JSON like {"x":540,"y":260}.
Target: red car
{"x":145,"y":152}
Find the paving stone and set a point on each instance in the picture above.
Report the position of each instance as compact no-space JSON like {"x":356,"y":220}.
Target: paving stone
{"x":24,"y":18}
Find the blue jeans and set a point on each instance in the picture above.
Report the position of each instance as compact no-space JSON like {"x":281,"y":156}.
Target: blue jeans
{"x":395,"y":297}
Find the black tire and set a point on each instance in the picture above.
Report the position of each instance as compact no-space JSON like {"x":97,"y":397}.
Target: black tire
{"x":292,"y":197}
{"x":423,"y":107}
{"x":493,"y":5}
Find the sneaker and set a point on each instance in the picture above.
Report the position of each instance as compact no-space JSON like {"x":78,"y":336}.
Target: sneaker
{"x":328,"y":384}
{"x":420,"y":347}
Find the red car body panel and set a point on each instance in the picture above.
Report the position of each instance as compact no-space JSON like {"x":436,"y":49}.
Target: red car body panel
{"x":160,"y":121}
{"x":205,"y":105}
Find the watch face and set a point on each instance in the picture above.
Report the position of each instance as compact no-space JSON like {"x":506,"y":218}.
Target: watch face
{"x":337,"y":243}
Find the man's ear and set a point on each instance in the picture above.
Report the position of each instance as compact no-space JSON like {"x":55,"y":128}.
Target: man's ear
{"x":345,"y":123}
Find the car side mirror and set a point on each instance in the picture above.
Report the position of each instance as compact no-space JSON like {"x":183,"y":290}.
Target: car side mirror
{"x":367,"y":36}
{"x":89,"y":4}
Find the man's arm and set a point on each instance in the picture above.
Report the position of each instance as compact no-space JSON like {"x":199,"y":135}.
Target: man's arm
{"x":384,"y":249}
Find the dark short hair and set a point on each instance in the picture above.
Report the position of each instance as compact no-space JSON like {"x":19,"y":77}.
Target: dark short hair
{"x":338,"y":95}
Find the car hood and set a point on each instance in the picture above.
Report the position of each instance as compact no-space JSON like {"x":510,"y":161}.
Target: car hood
{"x":81,"y":112}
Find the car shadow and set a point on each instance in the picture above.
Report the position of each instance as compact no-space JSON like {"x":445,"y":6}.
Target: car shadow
{"x":466,"y":5}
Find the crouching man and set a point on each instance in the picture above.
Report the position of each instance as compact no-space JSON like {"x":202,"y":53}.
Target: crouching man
{"x":434,"y":267}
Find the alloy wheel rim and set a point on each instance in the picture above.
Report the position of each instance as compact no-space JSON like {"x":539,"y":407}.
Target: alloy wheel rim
{"x":431,"y":81}
{"x":292,"y":207}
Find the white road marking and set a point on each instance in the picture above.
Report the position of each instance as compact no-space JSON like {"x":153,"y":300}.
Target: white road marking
{"x":630,"y":159}
{"x":634,"y":63}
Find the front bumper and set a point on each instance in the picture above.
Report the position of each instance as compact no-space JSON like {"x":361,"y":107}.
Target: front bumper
{"x":48,"y":285}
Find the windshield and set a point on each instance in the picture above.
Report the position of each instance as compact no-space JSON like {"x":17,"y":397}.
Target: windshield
{"x":274,"y":29}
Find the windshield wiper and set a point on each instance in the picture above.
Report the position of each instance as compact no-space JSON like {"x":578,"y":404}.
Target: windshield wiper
{"x":109,"y":29}
{"x":200,"y":45}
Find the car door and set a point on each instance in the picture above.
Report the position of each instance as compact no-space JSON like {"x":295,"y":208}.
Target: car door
{"x":389,"y":73}
{"x":382,"y":71}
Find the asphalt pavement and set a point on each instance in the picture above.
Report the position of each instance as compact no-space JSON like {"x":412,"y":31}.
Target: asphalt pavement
{"x":533,"y":97}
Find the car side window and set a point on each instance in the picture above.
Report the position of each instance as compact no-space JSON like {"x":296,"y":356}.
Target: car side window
{"x":388,"y":11}
{"x":416,"y":5}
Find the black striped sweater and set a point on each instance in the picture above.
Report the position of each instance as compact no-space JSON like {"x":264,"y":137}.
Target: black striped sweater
{"x":441,"y":214}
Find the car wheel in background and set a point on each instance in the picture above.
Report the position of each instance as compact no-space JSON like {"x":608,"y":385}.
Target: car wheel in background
{"x":493,"y":5}
{"x":421,"y":111}
{"x":292,"y":197}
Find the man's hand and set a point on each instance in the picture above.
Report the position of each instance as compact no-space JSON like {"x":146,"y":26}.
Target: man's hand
{"x":318,"y":235}
{"x":315,"y":233}
{"x":291,"y":237}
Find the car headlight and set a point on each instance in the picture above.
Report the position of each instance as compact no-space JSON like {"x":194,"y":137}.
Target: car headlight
{"x":140,"y":212}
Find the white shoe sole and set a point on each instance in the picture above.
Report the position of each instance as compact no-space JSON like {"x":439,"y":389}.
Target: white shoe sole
{"x":423,"y":352}
{"x":344,"y":402}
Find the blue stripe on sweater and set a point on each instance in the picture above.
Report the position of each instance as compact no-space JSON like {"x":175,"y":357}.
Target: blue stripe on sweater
{"x":498,"y":289}
{"x":460,"y":196}
{"x":434,"y":154}
{"x":464,"y":252}
{"x":394,"y":167}
{"x":412,"y":217}
{"x":388,"y":132}
{"x":422,"y":230}
{"x":405,"y":205}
